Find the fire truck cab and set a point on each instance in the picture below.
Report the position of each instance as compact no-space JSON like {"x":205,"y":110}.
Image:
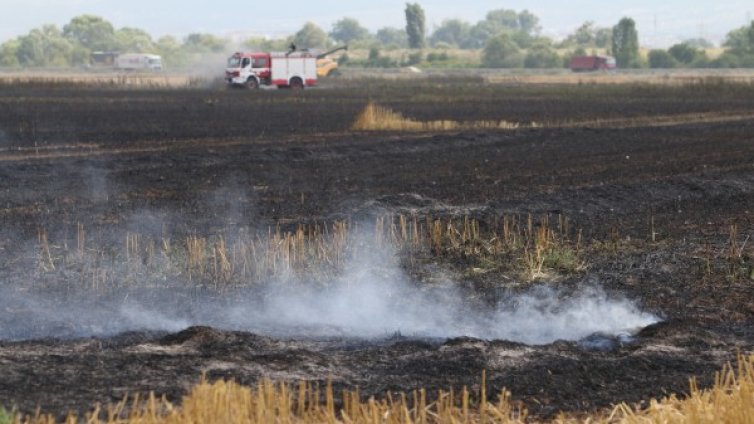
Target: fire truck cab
{"x":284,"y":70}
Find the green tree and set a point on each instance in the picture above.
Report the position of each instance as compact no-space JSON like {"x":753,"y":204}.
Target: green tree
{"x":741,"y":40}
{"x":542,"y":55}
{"x":583,"y":36}
{"x":173,"y":53}
{"x":202,"y":43}
{"x":525,"y":40}
{"x":311,"y":36}
{"x":91,"y":31}
{"x":684,"y":53}
{"x":626,"y":44}
{"x":699,"y":43}
{"x":347,"y":30}
{"x":501,"y":52}
{"x":603,"y":38}
{"x":454,"y":32}
{"x":267,"y":44}
{"x":503,"y":19}
{"x":392,"y":37}
{"x":44,"y":46}
{"x":528,"y":22}
{"x":522,"y":26}
{"x":9,"y":53}
{"x":133,"y":40}
{"x":415,"y":26}
{"x":661,"y":59}
{"x":482,"y":32}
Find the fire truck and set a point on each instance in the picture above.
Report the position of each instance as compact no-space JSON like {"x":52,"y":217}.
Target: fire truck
{"x":294,"y":69}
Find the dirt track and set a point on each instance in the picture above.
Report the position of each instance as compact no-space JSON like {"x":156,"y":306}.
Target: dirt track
{"x":204,"y":161}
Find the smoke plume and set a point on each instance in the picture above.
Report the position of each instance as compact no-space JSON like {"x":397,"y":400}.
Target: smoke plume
{"x":372,"y":298}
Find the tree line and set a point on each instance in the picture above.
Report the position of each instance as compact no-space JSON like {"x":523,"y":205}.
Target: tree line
{"x":506,"y":39}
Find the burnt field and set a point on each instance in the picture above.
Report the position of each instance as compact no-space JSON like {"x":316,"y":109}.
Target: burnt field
{"x":594,"y":249}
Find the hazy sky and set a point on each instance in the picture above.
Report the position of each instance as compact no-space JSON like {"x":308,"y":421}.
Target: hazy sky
{"x":660,"y":23}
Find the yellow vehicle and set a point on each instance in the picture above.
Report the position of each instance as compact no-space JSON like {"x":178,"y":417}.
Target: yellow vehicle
{"x":326,"y":67}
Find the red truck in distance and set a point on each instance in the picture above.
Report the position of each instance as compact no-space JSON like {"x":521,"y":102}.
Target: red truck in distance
{"x":592,"y":63}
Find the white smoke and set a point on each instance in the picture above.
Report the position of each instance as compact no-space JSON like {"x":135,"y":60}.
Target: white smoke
{"x":373,"y":298}
{"x":370,"y":302}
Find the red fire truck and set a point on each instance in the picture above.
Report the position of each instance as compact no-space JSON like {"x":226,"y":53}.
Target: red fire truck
{"x":592,"y":63}
{"x":294,"y":69}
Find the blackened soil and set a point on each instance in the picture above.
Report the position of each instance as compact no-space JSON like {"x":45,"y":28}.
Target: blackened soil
{"x":181,"y":162}
{"x":69,"y":375}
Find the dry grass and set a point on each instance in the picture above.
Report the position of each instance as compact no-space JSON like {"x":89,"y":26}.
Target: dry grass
{"x":97,"y":79}
{"x":656,"y":120}
{"x":510,"y":242}
{"x":315,"y":252}
{"x":672,"y":78}
{"x":379,"y":118}
{"x":731,"y":400}
{"x":225,"y":402}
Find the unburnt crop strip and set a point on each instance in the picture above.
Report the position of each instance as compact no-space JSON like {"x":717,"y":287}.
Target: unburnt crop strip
{"x":518,"y":244}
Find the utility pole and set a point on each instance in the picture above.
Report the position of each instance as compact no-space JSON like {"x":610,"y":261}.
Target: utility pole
{"x":654,"y":34}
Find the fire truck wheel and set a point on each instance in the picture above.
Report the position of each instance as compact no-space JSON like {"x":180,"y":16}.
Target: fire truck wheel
{"x":297,"y":84}
{"x":252,"y":84}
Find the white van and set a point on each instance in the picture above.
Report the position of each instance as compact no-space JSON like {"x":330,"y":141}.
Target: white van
{"x":138,"y":61}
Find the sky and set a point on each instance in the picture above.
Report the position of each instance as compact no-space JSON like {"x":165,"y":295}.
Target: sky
{"x":660,"y":23}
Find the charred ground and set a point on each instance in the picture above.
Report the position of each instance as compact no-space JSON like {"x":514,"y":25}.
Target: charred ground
{"x":657,"y":204}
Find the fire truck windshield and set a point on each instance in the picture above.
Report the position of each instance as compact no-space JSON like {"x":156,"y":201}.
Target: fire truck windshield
{"x":234,"y":62}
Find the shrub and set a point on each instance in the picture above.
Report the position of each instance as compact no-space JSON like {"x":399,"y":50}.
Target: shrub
{"x":502,"y":52}
{"x":541,"y":57}
{"x":661,"y":59}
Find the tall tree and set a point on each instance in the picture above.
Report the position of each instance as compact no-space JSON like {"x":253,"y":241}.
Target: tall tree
{"x":659,"y":58}
{"x":9,"y":53}
{"x":684,"y":53}
{"x":542,"y":55}
{"x":504,"y":19}
{"x":453,"y":31}
{"x":603,"y":37}
{"x":395,"y":37}
{"x":522,"y":26}
{"x":415,"y":26}
{"x":172,"y":51}
{"x":201,"y":42}
{"x":528,"y":22}
{"x":626,"y":44}
{"x":741,"y":40}
{"x":584,"y":35}
{"x":347,"y":30}
{"x":91,"y":31}
{"x":699,"y":43}
{"x":501,"y":52}
{"x":589,"y":35}
{"x":311,"y":36}
{"x":44,"y":46}
{"x":133,"y":40}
